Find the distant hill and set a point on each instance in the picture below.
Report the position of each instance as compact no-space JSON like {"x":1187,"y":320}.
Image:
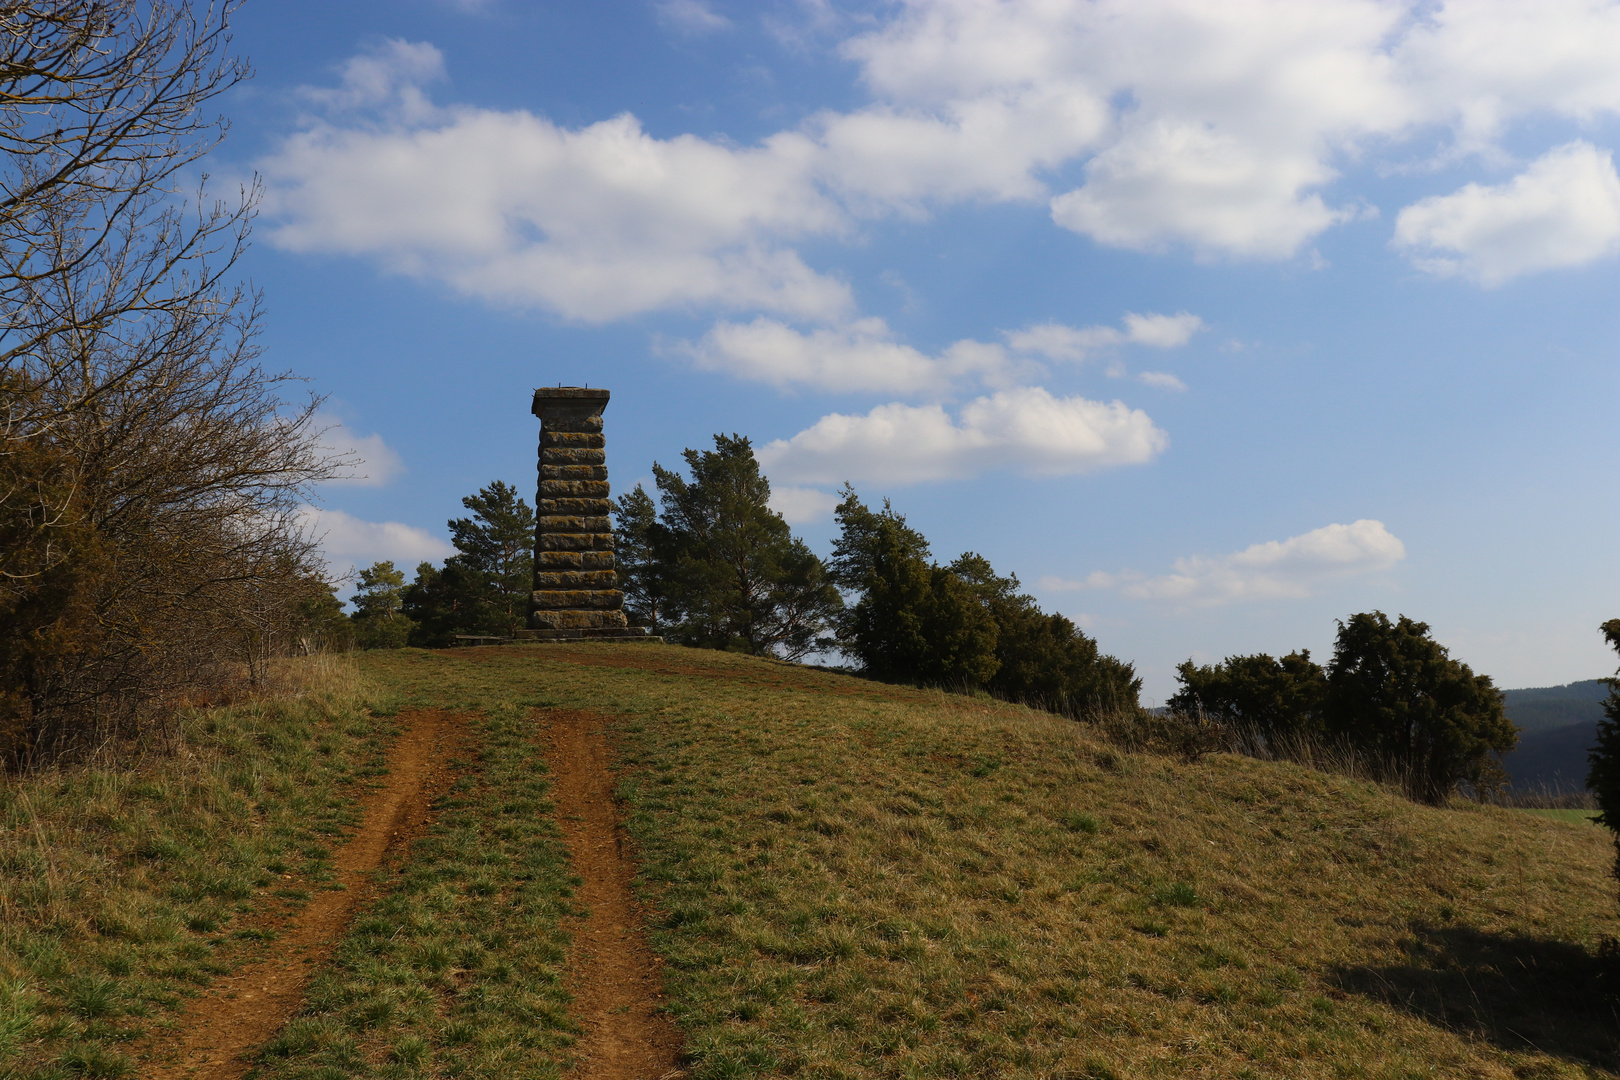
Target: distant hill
{"x":1541,"y":708}
{"x":1558,"y":725}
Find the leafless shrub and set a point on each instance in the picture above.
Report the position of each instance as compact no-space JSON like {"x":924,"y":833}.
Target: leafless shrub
{"x":150,"y":468}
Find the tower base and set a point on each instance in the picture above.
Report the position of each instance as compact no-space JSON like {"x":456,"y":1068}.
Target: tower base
{"x":592,"y":633}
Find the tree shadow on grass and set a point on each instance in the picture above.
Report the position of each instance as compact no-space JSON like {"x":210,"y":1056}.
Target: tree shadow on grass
{"x":1520,"y":993}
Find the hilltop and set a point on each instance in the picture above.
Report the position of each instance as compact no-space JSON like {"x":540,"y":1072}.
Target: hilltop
{"x":835,"y":878}
{"x":855,"y":879}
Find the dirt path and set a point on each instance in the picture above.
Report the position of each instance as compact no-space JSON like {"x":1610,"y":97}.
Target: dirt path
{"x":614,"y":975}
{"x":240,"y":1012}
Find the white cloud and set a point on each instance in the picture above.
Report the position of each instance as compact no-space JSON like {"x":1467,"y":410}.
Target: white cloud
{"x":1162,"y":380}
{"x":374,"y":462}
{"x":348,"y":541}
{"x":1097,"y":579}
{"x":1027,"y":430}
{"x":861,"y":355}
{"x":1220,"y":128}
{"x":800,"y":505}
{"x":595,"y":224}
{"x":1226,"y":122}
{"x":388,"y":78}
{"x":691,"y":16}
{"x":1059,"y":342}
{"x":1563,"y":211}
{"x":1275,"y":570}
{"x":1161,"y":331}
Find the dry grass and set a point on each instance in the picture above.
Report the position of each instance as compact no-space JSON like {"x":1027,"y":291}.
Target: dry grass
{"x":124,"y":888}
{"x":864,"y":881}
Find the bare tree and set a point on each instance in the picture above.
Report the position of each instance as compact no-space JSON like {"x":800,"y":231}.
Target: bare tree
{"x":150,"y":469}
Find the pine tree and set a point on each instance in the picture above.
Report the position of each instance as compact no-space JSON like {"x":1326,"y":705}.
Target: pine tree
{"x":379,"y":619}
{"x":496,"y":547}
{"x":636,"y":540}
{"x":731,"y":572}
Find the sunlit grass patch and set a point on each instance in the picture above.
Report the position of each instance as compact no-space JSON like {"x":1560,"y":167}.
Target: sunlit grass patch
{"x":458,"y":969}
{"x":855,"y":880}
{"x":125,"y":888}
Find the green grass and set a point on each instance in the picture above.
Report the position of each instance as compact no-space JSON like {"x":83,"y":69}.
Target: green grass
{"x":123,"y":891}
{"x":846,"y":879}
{"x":1576,"y":817}
{"x":845,"y":886}
{"x":458,"y":970}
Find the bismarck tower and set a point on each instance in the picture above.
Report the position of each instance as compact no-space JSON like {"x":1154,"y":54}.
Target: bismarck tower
{"x":576,"y":591}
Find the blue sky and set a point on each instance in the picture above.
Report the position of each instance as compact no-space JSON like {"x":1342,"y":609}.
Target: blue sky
{"x":1212,"y":322}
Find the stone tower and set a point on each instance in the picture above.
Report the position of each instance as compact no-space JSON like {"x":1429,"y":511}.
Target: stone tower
{"x":576,"y":592}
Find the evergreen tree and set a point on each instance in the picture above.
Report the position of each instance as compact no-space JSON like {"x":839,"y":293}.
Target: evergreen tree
{"x":496,"y":546}
{"x":1044,"y":658}
{"x":731,"y":573}
{"x":636,"y":543}
{"x":914,"y":621}
{"x":442,"y":603}
{"x":1395,"y":692}
{"x":1267,"y":696}
{"x":1604,"y":758}
{"x":319,"y":624}
{"x":379,"y":618}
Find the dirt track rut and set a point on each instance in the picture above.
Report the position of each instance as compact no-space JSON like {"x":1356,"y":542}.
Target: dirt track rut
{"x":240,"y":1012}
{"x":614,"y":975}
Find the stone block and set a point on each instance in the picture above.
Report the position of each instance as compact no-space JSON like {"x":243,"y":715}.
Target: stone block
{"x":576,"y":600}
{"x":575,"y":542}
{"x":576,"y":507}
{"x":549,"y":438}
{"x":568,"y":455}
{"x":576,"y":620}
{"x":574,"y":489}
{"x":576,"y":579}
{"x":573,"y":560}
{"x":581,"y":425}
{"x":573,"y":523}
{"x":573,"y":472}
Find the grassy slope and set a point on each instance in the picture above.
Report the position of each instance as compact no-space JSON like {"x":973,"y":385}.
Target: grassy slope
{"x":856,"y":880}
{"x":123,"y":891}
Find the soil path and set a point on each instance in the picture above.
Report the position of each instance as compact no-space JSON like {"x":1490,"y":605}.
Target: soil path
{"x":239,"y":1013}
{"x":614,"y":975}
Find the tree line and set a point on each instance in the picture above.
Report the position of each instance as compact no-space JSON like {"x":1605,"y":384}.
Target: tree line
{"x":1391,"y":695}
{"x":709,"y":564}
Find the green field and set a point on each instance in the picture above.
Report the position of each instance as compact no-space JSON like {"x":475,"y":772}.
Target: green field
{"x":850,"y":879}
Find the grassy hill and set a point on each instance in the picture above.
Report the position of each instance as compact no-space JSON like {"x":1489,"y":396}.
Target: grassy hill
{"x":846,"y":879}
{"x":858,"y":880}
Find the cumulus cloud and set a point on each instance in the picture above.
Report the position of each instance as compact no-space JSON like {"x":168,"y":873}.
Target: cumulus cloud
{"x":347,"y":541}
{"x":1218,"y":128}
{"x":1027,"y":430}
{"x":1162,"y":380}
{"x":864,"y":355}
{"x":595,"y":224}
{"x":371,"y":461}
{"x":389,"y":79}
{"x":1563,"y":211}
{"x":1226,"y":122}
{"x":799,"y":505}
{"x":1059,"y":342}
{"x":861,"y":355}
{"x":1275,"y":570}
